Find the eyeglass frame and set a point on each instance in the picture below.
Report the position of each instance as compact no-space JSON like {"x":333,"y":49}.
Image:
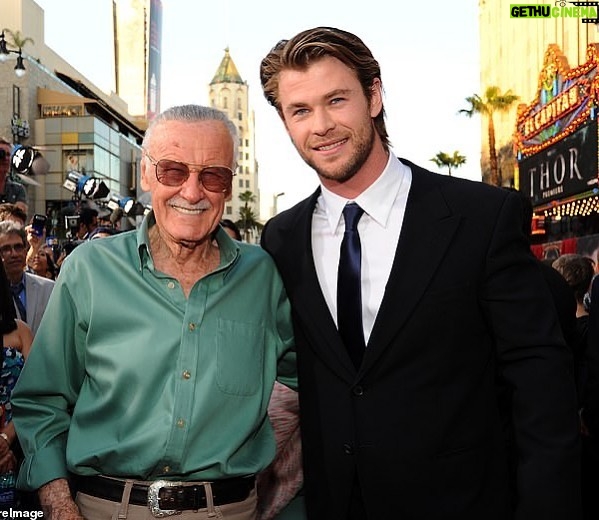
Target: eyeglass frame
{"x":199,"y":168}
{"x":18,"y":248}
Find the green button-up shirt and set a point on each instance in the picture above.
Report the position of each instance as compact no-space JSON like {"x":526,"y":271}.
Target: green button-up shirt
{"x":128,"y":377}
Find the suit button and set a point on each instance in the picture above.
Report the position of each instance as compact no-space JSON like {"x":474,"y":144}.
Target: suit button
{"x":348,"y":449}
{"x":358,"y":390}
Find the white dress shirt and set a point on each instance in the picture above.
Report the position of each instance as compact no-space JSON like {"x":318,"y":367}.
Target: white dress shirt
{"x":384,"y":205}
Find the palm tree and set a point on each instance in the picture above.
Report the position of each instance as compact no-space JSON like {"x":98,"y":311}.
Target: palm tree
{"x":17,"y":40}
{"x":248,"y":220}
{"x":493,"y":101}
{"x":443,"y":159}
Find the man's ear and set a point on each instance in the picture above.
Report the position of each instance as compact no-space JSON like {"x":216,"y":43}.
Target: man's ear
{"x":143,"y":178}
{"x":376,"y":97}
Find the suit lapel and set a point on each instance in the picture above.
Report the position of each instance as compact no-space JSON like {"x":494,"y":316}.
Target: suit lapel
{"x":31,"y":293}
{"x":426,"y":234}
{"x":307,"y":297}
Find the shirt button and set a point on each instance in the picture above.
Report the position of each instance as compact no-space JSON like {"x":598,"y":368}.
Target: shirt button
{"x":358,"y":390}
{"x":186,"y":374}
{"x":192,"y":326}
{"x":180,"y":423}
{"x":166,"y":469}
{"x":171,"y":285}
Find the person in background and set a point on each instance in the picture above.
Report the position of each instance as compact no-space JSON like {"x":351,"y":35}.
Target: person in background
{"x":88,"y":221}
{"x":16,"y":342}
{"x":102,"y":232}
{"x":411,"y":291}
{"x":30,"y":292}
{"x":163,"y":344}
{"x":42,"y":265}
{"x":10,"y":191}
{"x":12,"y":212}
{"x":279,"y":486}
{"x":231,"y":229}
{"x":578,"y":272}
{"x":40,"y":257}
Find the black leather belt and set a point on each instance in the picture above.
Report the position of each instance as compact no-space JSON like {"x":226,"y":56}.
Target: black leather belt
{"x":167,"y":498}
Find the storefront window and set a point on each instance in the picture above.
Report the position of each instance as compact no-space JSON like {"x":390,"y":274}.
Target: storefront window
{"x":62,"y":111}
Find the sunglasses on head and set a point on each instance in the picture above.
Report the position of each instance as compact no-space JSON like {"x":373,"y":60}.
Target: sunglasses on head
{"x":216,"y":179}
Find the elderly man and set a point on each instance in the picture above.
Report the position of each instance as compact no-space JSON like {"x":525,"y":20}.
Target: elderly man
{"x":10,"y":191}
{"x":160,"y":350}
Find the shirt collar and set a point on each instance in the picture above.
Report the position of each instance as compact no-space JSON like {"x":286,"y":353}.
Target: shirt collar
{"x":20,"y":282}
{"x":20,"y":285}
{"x":377,"y":200}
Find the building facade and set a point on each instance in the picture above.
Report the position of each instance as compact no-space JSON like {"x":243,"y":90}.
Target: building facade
{"x":512,"y":52}
{"x":557,"y":151}
{"x":138,"y":42}
{"x":58,"y":112}
{"x":229,"y":92}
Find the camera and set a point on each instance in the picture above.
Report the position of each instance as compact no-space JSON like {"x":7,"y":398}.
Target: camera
{"x":38,"y":223}
{"x":71,"y":222}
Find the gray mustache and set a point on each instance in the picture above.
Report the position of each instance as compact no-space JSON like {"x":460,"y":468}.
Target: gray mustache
{"x":202,"y":205}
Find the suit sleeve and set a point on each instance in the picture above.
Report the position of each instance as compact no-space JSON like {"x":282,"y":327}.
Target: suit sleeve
{"x":590,"y":411}
{"x":536,"y":365}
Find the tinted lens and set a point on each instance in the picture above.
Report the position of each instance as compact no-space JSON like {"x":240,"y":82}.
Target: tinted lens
{"x":171,"y":173}
{"x":216,"y":178}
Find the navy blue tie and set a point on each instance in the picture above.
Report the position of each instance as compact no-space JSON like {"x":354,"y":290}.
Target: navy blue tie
{"x":349,"y":288}
{"x":16,"y":291}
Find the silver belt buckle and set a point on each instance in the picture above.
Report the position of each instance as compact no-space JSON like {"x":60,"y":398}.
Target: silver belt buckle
{"x":154,"y":499}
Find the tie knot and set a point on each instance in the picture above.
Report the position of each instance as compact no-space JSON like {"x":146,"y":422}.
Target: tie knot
{"x":16,"y":289}
{"x":352,"y":213}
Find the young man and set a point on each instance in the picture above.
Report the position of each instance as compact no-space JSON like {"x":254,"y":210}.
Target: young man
{"x":438,"y":297}
{"x":163,"y":345}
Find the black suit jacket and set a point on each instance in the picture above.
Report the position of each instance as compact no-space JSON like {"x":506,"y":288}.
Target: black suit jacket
{"x":419,"y":422}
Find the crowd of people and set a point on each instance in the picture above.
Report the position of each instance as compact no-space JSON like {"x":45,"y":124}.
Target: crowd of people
{"x":391,"y":349}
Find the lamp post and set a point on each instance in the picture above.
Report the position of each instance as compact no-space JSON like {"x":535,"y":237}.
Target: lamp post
{"x":275,"y":199}
{"x":5,"y":52}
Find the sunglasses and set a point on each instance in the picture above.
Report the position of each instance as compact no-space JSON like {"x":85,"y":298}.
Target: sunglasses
{"x":216,"y":179}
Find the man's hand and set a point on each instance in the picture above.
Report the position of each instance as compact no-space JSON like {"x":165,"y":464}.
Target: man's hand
{"x":55,"y":498}
{"x":8,"y":461}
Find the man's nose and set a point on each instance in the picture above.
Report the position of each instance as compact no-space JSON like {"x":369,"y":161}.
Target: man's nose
{"x":322,"y":121}
{"x":193,"y":189}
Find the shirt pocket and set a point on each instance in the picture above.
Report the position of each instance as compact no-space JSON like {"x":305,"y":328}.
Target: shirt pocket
{"x":239,"y":357}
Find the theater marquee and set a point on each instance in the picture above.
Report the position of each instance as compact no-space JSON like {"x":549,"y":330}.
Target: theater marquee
{"x":556,"y":134}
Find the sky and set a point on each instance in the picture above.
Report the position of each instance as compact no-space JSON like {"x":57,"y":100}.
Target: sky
{"x":428,"y":53}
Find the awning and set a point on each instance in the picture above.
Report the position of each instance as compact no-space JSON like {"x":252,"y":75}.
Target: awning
{"x":51,"y":97}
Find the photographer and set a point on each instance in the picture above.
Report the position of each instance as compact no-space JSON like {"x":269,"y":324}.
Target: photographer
{"x":88,"y":221}
{"x":10,"y":191}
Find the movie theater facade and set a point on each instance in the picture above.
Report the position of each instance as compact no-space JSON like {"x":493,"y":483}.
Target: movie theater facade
{"x":557,"y":150}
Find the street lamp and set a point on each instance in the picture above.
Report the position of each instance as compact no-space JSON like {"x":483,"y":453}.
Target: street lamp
{"x":20,"y":70}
